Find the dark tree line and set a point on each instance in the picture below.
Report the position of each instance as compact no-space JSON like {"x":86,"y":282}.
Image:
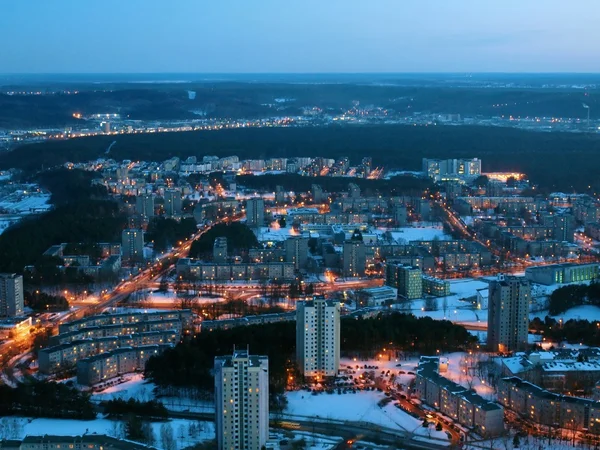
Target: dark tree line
{"x":45,"y":399}
{"x":189,"y":364}
{"x":572,"y":331}
{"x":120,"y":407}
{"x":567,"y":297}
{"x":40,"y":301}
{"x":165,"y":232}
{"x":400,"y":185}
{"x":239,"y":238}
{"x":542,"y":156}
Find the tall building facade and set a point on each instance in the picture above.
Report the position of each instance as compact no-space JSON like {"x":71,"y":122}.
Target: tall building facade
{"x":440,"y":169}
{"x":410,"y":282}
{"x":172,"y":203}
{"x":318,"y":337}
{"x":132,"y":245}
{"x":296,"y":251}
{"x":508,"y":313}
{"x":354,"y":258}
{"x":220,"y":250}
{"x":255,"y":212}
{"x":11,"y":295}
{"x":241,"y":401}
{"x":144,"y":205}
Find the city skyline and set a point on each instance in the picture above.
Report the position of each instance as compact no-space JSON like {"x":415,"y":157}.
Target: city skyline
{"x":265,"y":37}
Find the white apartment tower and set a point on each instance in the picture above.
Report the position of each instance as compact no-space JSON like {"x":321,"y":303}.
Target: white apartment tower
{"x":508,"y":313}
{"x":318,"y":337}
{"x":11,"y":295}
{"x":241,"y":401}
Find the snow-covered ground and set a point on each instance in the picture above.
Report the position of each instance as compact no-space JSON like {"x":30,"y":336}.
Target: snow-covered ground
{"x":20,"y":204}
{"x":583,"y":312}
{"x":136,"y":387}
{"x":274,"y":233}
{"x":359,"y":407}
{"x":453,"y":307}
{"x":154,"y":297}
{"x":416,"y":233}
{"x":186,"y":432}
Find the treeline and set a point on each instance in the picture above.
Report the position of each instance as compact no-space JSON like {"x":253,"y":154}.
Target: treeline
{"x":572,"y":331}
{"x":239,"y":237}
{"x":82,"y":221}
{"x":189,"y":364}
{"x":45,"y":399}
{"x":543,"y":156}
{"x":165,"y":232}
{"x":399,"y":185}
{"x":40,"y":301}
{"x":71,"y":185}
{"x":567,"y":297}
{"x":406,"y":332}
{"x":119,"y":407}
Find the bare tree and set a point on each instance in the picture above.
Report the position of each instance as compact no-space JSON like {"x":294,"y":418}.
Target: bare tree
{"x":167,"y":438}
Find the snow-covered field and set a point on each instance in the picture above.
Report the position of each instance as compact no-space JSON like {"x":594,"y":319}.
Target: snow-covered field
{"x":153,"y":297}
{"x":186,"y":432}
{"x":583,"y":312}
{"x":417,"y":233}
{"x":274,"y":233}
{"x":453,"y":307}
{"x":359,"y":407}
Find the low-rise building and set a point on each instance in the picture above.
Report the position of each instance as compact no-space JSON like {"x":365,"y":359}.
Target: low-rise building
{"x":455,"y":401}
{"x":562,"y":273}
{"x":377,"y":296}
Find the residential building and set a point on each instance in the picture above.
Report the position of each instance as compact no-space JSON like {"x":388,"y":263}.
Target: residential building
{"x":255,"y":212}
{"x":354,"y":258}
{"x":436,"y":286}
{"x":407,"y":279}
{"x":296,"y":251}
{"x":220,"y":250}
{"x":11,"y":295}
{"x":87,"y":441}
{"x":450,"y":169}
{"x":376,"y":296}
{"x":241,"y":401}
{"x":144,"y":205}
{"x":549,"y":409}
{"x":318,"y":337}
{"x":132,"y":245}
{"x":353,"y":190}
{"x":456,"y":401}
{"x":173,"y":203}
{"x":508,"y":313}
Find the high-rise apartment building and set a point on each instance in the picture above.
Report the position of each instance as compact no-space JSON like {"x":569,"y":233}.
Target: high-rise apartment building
{"x":508,"y":314}
{"x":255,"y":212}
{"x":144,"y":205}
{"x":241,"y":401}
{"x":407,"y":279}
{"x":353,"y":190}
{"x":318,"y":337}
{"x":132,"y":245}
{"x":296,"y":251}
{"x":354,"y":258}
{"x":11,"y":295}
{"x":220,"y":250}
{"x":172,"y":203}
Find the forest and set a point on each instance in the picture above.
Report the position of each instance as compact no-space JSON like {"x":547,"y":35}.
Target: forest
{"x":45,"y":399}
{"x":239,"y":237}
{"x":567,"y":297}
{"x":573,"y":331}
{"x":189,"y":364}
{"x":549,"y":159}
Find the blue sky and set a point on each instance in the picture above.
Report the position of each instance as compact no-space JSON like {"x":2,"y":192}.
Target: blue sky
{"x":245,"y":36}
